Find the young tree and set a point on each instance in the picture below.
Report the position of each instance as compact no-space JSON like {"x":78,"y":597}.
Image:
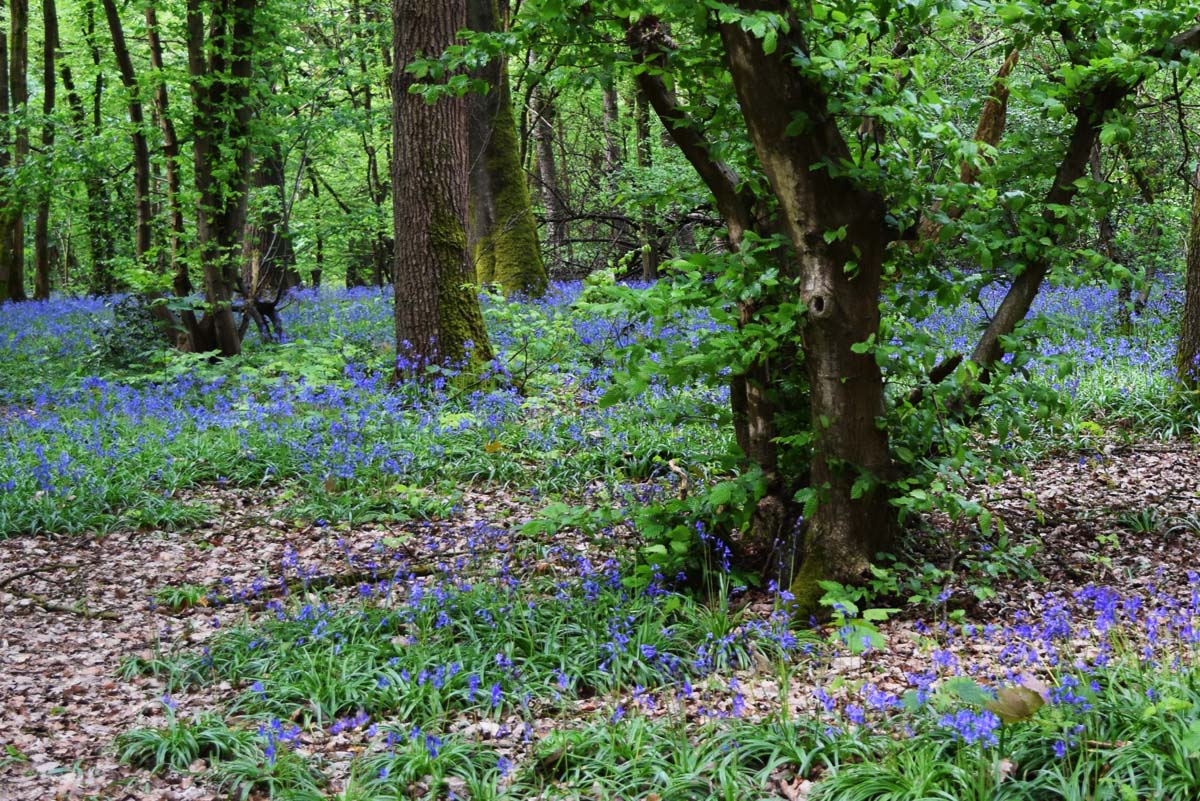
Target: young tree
{"x":438,"y":318}
{"x":41,"y":231}
{"x":821,"y":227}
{"x":137,"y":132}
{"x":1187,"y":353}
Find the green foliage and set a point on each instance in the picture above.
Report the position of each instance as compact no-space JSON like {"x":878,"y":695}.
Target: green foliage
{"x":180,"y":743}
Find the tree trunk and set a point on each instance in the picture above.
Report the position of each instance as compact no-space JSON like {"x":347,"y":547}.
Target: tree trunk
{"x":269,"y":262}
{"x":1187,"y":355}
{"x":501,"y":230}
{"x":375,"y":249}
{"x":839,"y":286}
{"x":438,"y":318}
{"x":12,"y":222}
{"x":6,"y":216}
{"x":547,"y":171}
{"x":221,"y":68}
{"x":141,"y":149}
{"x":98,"y":224}
{"x":170,"y":146}
{"x":41,"y":229}
{"x":645,"y":160}
{"x":612,"y":130}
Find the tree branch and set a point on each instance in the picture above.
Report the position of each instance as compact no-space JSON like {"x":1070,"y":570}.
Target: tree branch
{"x":650,"y":44}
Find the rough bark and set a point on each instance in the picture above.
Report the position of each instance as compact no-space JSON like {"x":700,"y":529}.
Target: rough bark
{"x":141,"y":149}
{"x":1187,"y":353}
{"x":839,"y":286}
{"x":438,"y":318}
{"x":41,"y":228}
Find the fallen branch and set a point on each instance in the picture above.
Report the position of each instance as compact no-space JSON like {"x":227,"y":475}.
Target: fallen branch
{"x":48,"y":605}
{"x":34,"y":570}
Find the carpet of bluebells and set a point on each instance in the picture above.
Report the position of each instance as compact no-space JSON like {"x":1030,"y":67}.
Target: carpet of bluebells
{"x":489,"y":660}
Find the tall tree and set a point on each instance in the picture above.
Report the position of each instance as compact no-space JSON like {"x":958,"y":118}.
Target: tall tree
{"x":137,"y":133}
{"x":14,"y":102}
{"x":501,"y":228}
{"x":437,"y":312}
{"x":41,"y":230}
{"x":220,"y":66}
{"x":170,"y":148}
{"x":545,"y":133}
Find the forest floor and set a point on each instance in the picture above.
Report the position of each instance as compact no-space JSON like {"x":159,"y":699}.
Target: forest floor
{"x":74,"y":608}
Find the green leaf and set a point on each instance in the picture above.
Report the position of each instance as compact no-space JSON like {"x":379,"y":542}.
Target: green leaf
{"x":966,"y":690}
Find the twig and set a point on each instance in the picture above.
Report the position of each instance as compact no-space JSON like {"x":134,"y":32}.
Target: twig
{"x":33,"y":570}
{"x":50,"y":606}
{"x":683,"y":478}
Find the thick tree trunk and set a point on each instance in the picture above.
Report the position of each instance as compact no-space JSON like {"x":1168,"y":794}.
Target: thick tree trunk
{"x":1187,"y":354}
{"x":41,"y":230}
{"x":170,"y":146}
{"x":437,"y":311}
{"x":502,"y":231}
{"x":839,"y":286}
{"x":141,"y":149}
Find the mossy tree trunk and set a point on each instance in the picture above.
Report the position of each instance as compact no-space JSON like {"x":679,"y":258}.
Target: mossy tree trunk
{"x":438,"y":318}
{"x":501,"y":228}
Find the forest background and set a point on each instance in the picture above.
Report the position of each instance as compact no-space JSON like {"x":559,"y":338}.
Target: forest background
{"x":828,"y":279}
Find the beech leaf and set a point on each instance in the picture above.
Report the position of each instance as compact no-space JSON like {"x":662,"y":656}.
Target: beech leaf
{"x":1015,"y":704}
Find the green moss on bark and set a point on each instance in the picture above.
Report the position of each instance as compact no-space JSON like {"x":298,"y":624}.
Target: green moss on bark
{"x":509,"y":253}
{"x":460,"y":319}
{"x":805,"y":584}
